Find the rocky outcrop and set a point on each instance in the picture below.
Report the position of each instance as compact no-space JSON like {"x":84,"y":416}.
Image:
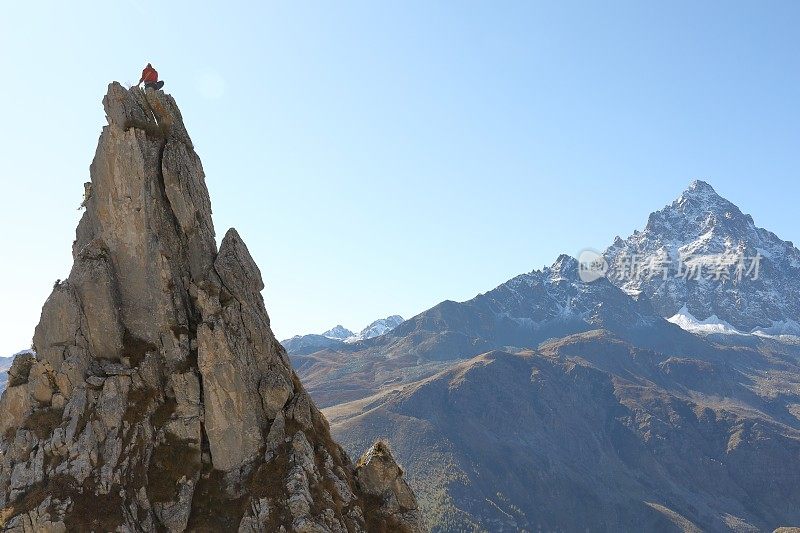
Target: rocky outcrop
{"x":381,"y":477}
{"x":158,"y":397}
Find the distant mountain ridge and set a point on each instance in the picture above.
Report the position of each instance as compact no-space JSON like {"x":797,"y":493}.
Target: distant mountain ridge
{"x":527,"y":309}
{"x":338,"y":335}
{"x":338,"y":332}
{"x":376,"y":329}
{"x":601,"y":393}
{"x":523,"y":312}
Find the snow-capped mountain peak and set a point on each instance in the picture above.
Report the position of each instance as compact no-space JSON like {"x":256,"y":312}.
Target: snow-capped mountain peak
{"x":338,"y":332}
{"x":339,"y":335}
{"x":709,"y":238}
{"x":701,"y":191}
{"x":700,"y":213}
{"x":377,"y":328}
{"x":565,"y":267}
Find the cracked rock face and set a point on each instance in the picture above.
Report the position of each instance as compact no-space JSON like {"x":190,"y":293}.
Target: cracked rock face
{"x":158,"y":397}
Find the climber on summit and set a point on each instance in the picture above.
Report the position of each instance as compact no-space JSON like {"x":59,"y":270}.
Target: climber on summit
{"x":150,"y":78}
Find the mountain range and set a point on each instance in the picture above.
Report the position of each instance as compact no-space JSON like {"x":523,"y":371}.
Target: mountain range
{"x":662,"y":393}
{"x":339,"y":335}
{"x":632,"y":402}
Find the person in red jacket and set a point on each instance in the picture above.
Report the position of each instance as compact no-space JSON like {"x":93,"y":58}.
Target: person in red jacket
{"x":150,"y":78}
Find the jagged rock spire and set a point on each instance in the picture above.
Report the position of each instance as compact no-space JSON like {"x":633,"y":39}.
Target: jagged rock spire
{"x":158,"y":397}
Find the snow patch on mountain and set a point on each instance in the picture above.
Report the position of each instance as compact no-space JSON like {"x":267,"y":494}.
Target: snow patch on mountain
{"x":712,"y":324}
{"x":780,"y":328}
{"x":786,"y":330}
{"x":556,"y":295}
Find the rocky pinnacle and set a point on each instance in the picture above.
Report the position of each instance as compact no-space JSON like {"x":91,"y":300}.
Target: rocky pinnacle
{"x":157,"y":397}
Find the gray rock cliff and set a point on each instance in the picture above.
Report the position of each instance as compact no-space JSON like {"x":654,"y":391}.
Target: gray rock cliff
{"x":157,"y":397}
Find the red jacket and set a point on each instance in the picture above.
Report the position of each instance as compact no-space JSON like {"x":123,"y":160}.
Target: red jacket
{"x":149,"y":75}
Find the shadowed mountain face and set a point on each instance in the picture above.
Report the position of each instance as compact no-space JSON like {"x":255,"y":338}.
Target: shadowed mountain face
{"x":550,"y":403}
{"x":590,"y":432}
{"x":522,"y":312}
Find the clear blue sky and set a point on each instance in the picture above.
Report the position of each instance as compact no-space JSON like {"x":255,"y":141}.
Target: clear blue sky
{"x":379,"y":157}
